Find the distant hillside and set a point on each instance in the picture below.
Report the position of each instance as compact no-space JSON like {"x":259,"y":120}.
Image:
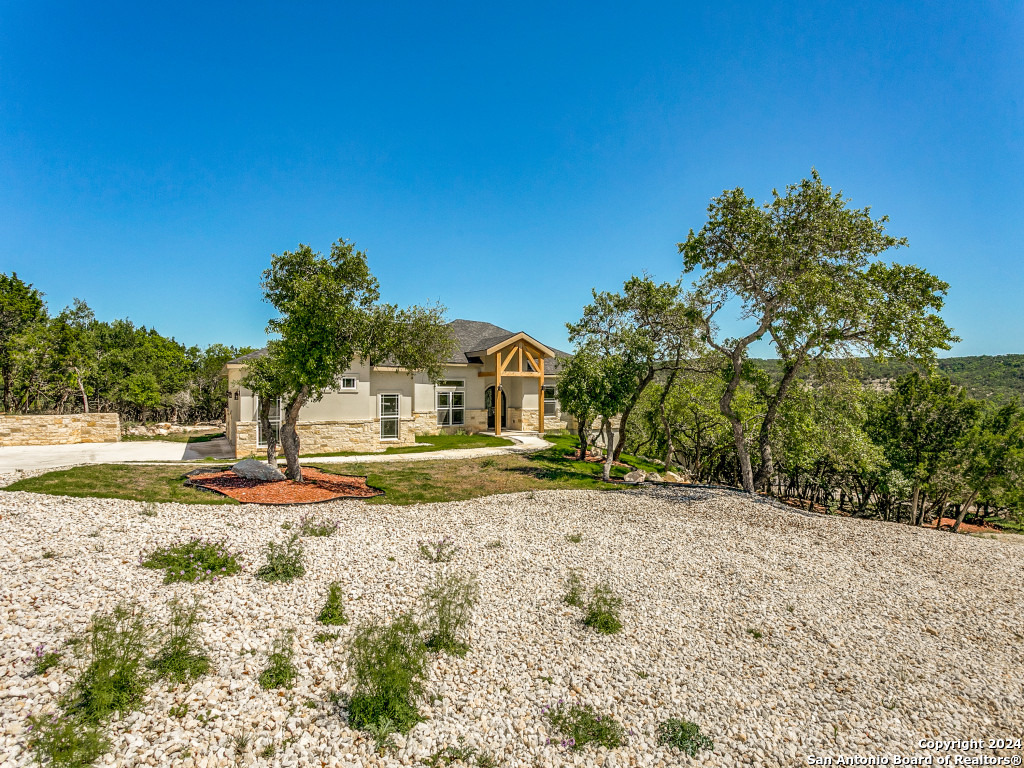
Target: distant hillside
{"x":987,"y":377}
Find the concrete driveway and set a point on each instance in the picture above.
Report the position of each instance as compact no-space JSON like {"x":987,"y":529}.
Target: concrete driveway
{"x":29,"y":457}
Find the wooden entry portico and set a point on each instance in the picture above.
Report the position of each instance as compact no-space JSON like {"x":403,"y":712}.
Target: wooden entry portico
{"x":518,"y":356}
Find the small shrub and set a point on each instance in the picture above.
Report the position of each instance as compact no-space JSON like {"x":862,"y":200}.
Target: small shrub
{"x":62,"y":740}
{"x":114,"y":651}
{"x":333,"y":612}
{"x":181,"y":657}
{"x":574,"y":538}
{"x":447,"y":607}
{"x":488,"y":463}
{"x":194,"y":560}
{"x":440,"y":551}
{"x":684,"y":736}
{"x":284,"y":561}
{"x":381,"y":733}
{"x":43,"y":660}
{"x":573,"y":590}
{"x":280,"y":671}
{"x":387,"y":663}
{"x":580,"y":725}
{"x":603,"y":610}
{"x":149,"y":510}
{"x":310,"y":526}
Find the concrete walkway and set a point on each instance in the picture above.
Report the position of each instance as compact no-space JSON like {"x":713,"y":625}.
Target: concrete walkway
{"x":34,"y":457}
{"x":524,"y":444}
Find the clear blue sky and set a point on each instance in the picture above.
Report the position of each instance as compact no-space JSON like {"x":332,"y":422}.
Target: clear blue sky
{"x":502,"y":161}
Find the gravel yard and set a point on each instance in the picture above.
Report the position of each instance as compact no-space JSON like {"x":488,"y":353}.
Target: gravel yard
{"x":872,"y":636}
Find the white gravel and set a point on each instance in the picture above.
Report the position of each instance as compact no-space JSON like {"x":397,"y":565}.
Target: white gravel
{"x":875,"y":636}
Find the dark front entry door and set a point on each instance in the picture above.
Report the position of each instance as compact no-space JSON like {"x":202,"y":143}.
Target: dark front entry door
{"x":489,"y":405}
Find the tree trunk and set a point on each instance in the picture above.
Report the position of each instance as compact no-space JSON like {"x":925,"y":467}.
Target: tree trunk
{"x":629,"y":409}
{"x":265,"y":403}
{"x":583,"y":432}
{"x":746,"y":473}
{"x":963,"y":511}
{"x":606,"y":429}
{"x":764,"y":472}
{"x":913,"y":503}
{"x":81,"y":391}
{"x":289,"y":435}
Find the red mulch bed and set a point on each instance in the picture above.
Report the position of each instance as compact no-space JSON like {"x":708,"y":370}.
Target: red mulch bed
{"x":317,"y":486}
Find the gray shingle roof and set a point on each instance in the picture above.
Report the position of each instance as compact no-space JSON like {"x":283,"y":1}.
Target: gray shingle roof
{"x":470,"y":336}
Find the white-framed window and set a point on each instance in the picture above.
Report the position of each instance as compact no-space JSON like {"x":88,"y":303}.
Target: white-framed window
{"x":349,"y":384}
{"x":451,"y":402}
{"x":550,"y":400}
{"x":275,"y":423}
{"x":389,"y":420}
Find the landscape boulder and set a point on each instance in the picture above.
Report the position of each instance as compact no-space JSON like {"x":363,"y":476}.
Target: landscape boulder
{"x":653,"y":477}
{"x":257,"y":470}
{"x":636,"y":476}
{"x":672,"y":477}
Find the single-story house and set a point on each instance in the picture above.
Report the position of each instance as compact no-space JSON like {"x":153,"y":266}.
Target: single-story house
{"x":496,"y":381}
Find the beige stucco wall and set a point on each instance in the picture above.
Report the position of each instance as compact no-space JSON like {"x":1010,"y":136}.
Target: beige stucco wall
{"x":59,"y":430}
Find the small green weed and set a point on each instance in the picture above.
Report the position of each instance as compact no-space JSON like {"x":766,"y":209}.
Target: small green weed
{"x":573,"y":590}
{"x":603,"y":610}
{"x":268,"y":751}
{"x":286,"y":525}
{"x":440,"y":551}
{"x":310,"y":526}
{"x":447,"y":606}
{"x":149,"y":510}
{"x":194,"y":560}
{"x":43,"y":660}
{"x":49,"y":554}
{"x":455,"y":753}
{"x":493,"y":544}
{"x":387,"y":663}
{"x":324,"y":637}
{"x":580,"y":725}
{"x":757,"y":634}
{"x":381,"y":732}
{"x":333,"y":612}
{"x":62,"y":740}
{"x":114,"y":651}
{"x":181,"y":657}
{"x":684,"y":736}
{"x":284,"y":561}
{"x":574,"y":538}
{"x":178,"y":710}
{"x":280,"y":671}
{"x":240,"y":742}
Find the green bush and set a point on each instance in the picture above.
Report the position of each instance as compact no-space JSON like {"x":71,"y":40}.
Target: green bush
{"x":284,"y":561}
{"x":684,"y":736}
{"x":280,"y":671}
{"x":580,"y":725}
{"x":65,"y":741}
{"x":447,"y":606}
{"x":387,"y":663}
{"x":114,"y":651}
{"x":181,"y":657}
{"x":194,"y":560}
{"x":603,"y":610}
{"x":333,"y":612}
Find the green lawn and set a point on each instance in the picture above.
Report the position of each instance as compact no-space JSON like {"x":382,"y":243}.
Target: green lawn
{"x":426,"y":443}
{"x":403,"y":482}
{"x":178,"y":437}
{"x":120,"y":481}
{"x":436,"y":481}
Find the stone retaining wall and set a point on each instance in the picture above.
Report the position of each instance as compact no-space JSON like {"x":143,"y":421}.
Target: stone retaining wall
{"x":331,"y":436}
{"x":59,"y":430}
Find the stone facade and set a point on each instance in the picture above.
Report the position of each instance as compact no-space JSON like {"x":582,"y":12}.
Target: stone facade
{"x":60,"y":429}
{"x":331,"y":436}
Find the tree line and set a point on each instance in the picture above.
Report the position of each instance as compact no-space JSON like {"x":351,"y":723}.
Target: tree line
{"x":71,"y":362}
{"x":803,"y":273}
